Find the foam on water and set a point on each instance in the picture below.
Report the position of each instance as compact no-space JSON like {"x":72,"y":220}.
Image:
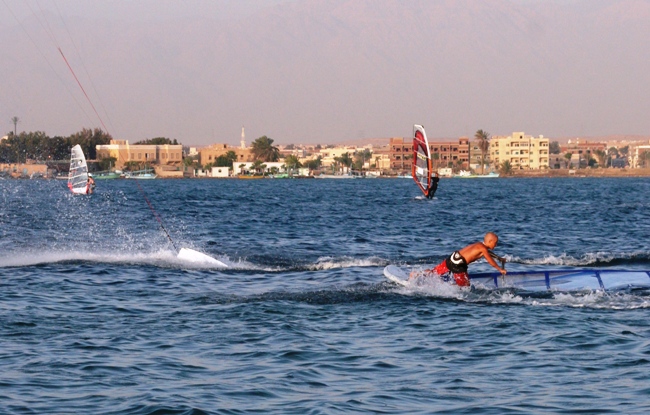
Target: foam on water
{"x":325,"y":263}
{"x":161,"y":258}
{"x":586,"y":259}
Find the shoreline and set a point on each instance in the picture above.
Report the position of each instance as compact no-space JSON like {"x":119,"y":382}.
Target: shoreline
{"x":607,"y":172}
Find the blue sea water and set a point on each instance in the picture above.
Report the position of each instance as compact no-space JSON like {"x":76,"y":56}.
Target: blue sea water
{"x":98,"y":316}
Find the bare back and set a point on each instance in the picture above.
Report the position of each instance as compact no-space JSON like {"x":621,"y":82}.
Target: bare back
{"x":474,"y":252}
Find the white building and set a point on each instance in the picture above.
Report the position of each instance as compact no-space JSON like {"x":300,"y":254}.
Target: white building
{"x":247,"y":166}
{"x":635,"y":162}
{"x":220,"y":172}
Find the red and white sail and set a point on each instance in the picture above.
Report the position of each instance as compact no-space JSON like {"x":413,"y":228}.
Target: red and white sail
{"x":422,"y":167}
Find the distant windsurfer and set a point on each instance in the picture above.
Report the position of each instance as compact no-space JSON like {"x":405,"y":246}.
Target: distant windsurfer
{"x":434,"y":185}
{"x":456,"y":264}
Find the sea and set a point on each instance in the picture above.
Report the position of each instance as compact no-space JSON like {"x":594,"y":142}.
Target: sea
{"x":99,"y":316}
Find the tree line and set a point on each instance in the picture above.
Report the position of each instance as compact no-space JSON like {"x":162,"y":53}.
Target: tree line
{"x":39,"y":147}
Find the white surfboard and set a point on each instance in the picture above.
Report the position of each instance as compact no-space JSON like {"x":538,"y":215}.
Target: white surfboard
{"x":191,"y":255}
{"x":397,"y":275}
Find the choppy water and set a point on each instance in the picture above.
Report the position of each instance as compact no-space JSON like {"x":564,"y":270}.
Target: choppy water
{"x":98,"y":316}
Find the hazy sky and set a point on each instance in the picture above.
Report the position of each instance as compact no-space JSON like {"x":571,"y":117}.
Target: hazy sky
{"x":139,"y":10}
{"x":325,"y":71}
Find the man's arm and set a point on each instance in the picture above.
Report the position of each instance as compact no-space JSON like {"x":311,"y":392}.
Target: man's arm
{"x":497,"y":258}
{"x":488,"y":256}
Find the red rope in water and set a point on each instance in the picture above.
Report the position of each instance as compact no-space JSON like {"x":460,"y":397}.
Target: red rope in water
{"x":155,"y":214}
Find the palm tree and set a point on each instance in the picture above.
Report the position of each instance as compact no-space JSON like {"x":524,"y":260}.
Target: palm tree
{"x":568,"y":156}
{"x":314,"y":164}
{"x":624,"y":151}
{"x":292,"y":162}
{"x":506,"y":168}
{"x":483,"y":139}
{"x":15,"y":120}
{"x":345,"y":159}
{"x":263,"y":149}
{"x":602,"y":157}
{"x":258,"y":165}
{"x":611,"y":153}
{"x":241,"y":168}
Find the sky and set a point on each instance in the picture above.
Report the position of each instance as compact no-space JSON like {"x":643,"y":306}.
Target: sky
{"x":325,"y":71}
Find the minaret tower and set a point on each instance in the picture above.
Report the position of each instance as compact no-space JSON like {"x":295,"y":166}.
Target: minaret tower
{"x":243,"y":138}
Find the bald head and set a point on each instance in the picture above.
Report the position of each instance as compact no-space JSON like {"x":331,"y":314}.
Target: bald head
{"x":490,"y":240}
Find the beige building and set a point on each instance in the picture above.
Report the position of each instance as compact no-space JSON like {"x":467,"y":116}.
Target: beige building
{"x":524,"y":152}
{"x":328,"y":155}
{"x":211,"y":153}
{"x":123,"y":152}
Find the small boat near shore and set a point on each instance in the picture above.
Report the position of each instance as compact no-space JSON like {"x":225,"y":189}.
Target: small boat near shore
{"x":146,"y":174}
{"x":334,"y":176}
{"x":468,"y":175}
{"x":248,"y":177}
{"x":107,"y":175}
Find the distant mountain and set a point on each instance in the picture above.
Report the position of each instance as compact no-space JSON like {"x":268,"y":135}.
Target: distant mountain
{"x":333,"y":70}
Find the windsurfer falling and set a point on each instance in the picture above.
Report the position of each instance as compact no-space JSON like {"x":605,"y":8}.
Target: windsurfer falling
{"x":456,"y":264}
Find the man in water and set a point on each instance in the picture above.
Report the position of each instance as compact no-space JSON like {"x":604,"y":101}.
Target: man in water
{"x":457,"y":262}
{"x":434,"y":185}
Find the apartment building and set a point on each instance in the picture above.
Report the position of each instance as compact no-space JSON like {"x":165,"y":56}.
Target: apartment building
{"x":523,"y":151}
{"x":444,"y":154}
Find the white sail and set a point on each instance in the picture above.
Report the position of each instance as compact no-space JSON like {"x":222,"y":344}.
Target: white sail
{"x":78,"y":176}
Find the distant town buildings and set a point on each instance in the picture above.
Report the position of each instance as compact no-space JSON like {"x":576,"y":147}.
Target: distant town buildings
{"x":581,"y":151}
{"x":123,"y":153}
{"x":521,"y":151}
{"x":444,"y":154}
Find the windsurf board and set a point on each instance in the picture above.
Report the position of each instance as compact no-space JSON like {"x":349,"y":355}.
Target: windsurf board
{"x":551,"y":280}
{"x":397,"y":275}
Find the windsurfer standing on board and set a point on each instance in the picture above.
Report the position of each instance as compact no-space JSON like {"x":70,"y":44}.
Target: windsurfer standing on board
{"x":434,"y":185}
{"x":91,"y":184}
{"x":457,"y":262}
